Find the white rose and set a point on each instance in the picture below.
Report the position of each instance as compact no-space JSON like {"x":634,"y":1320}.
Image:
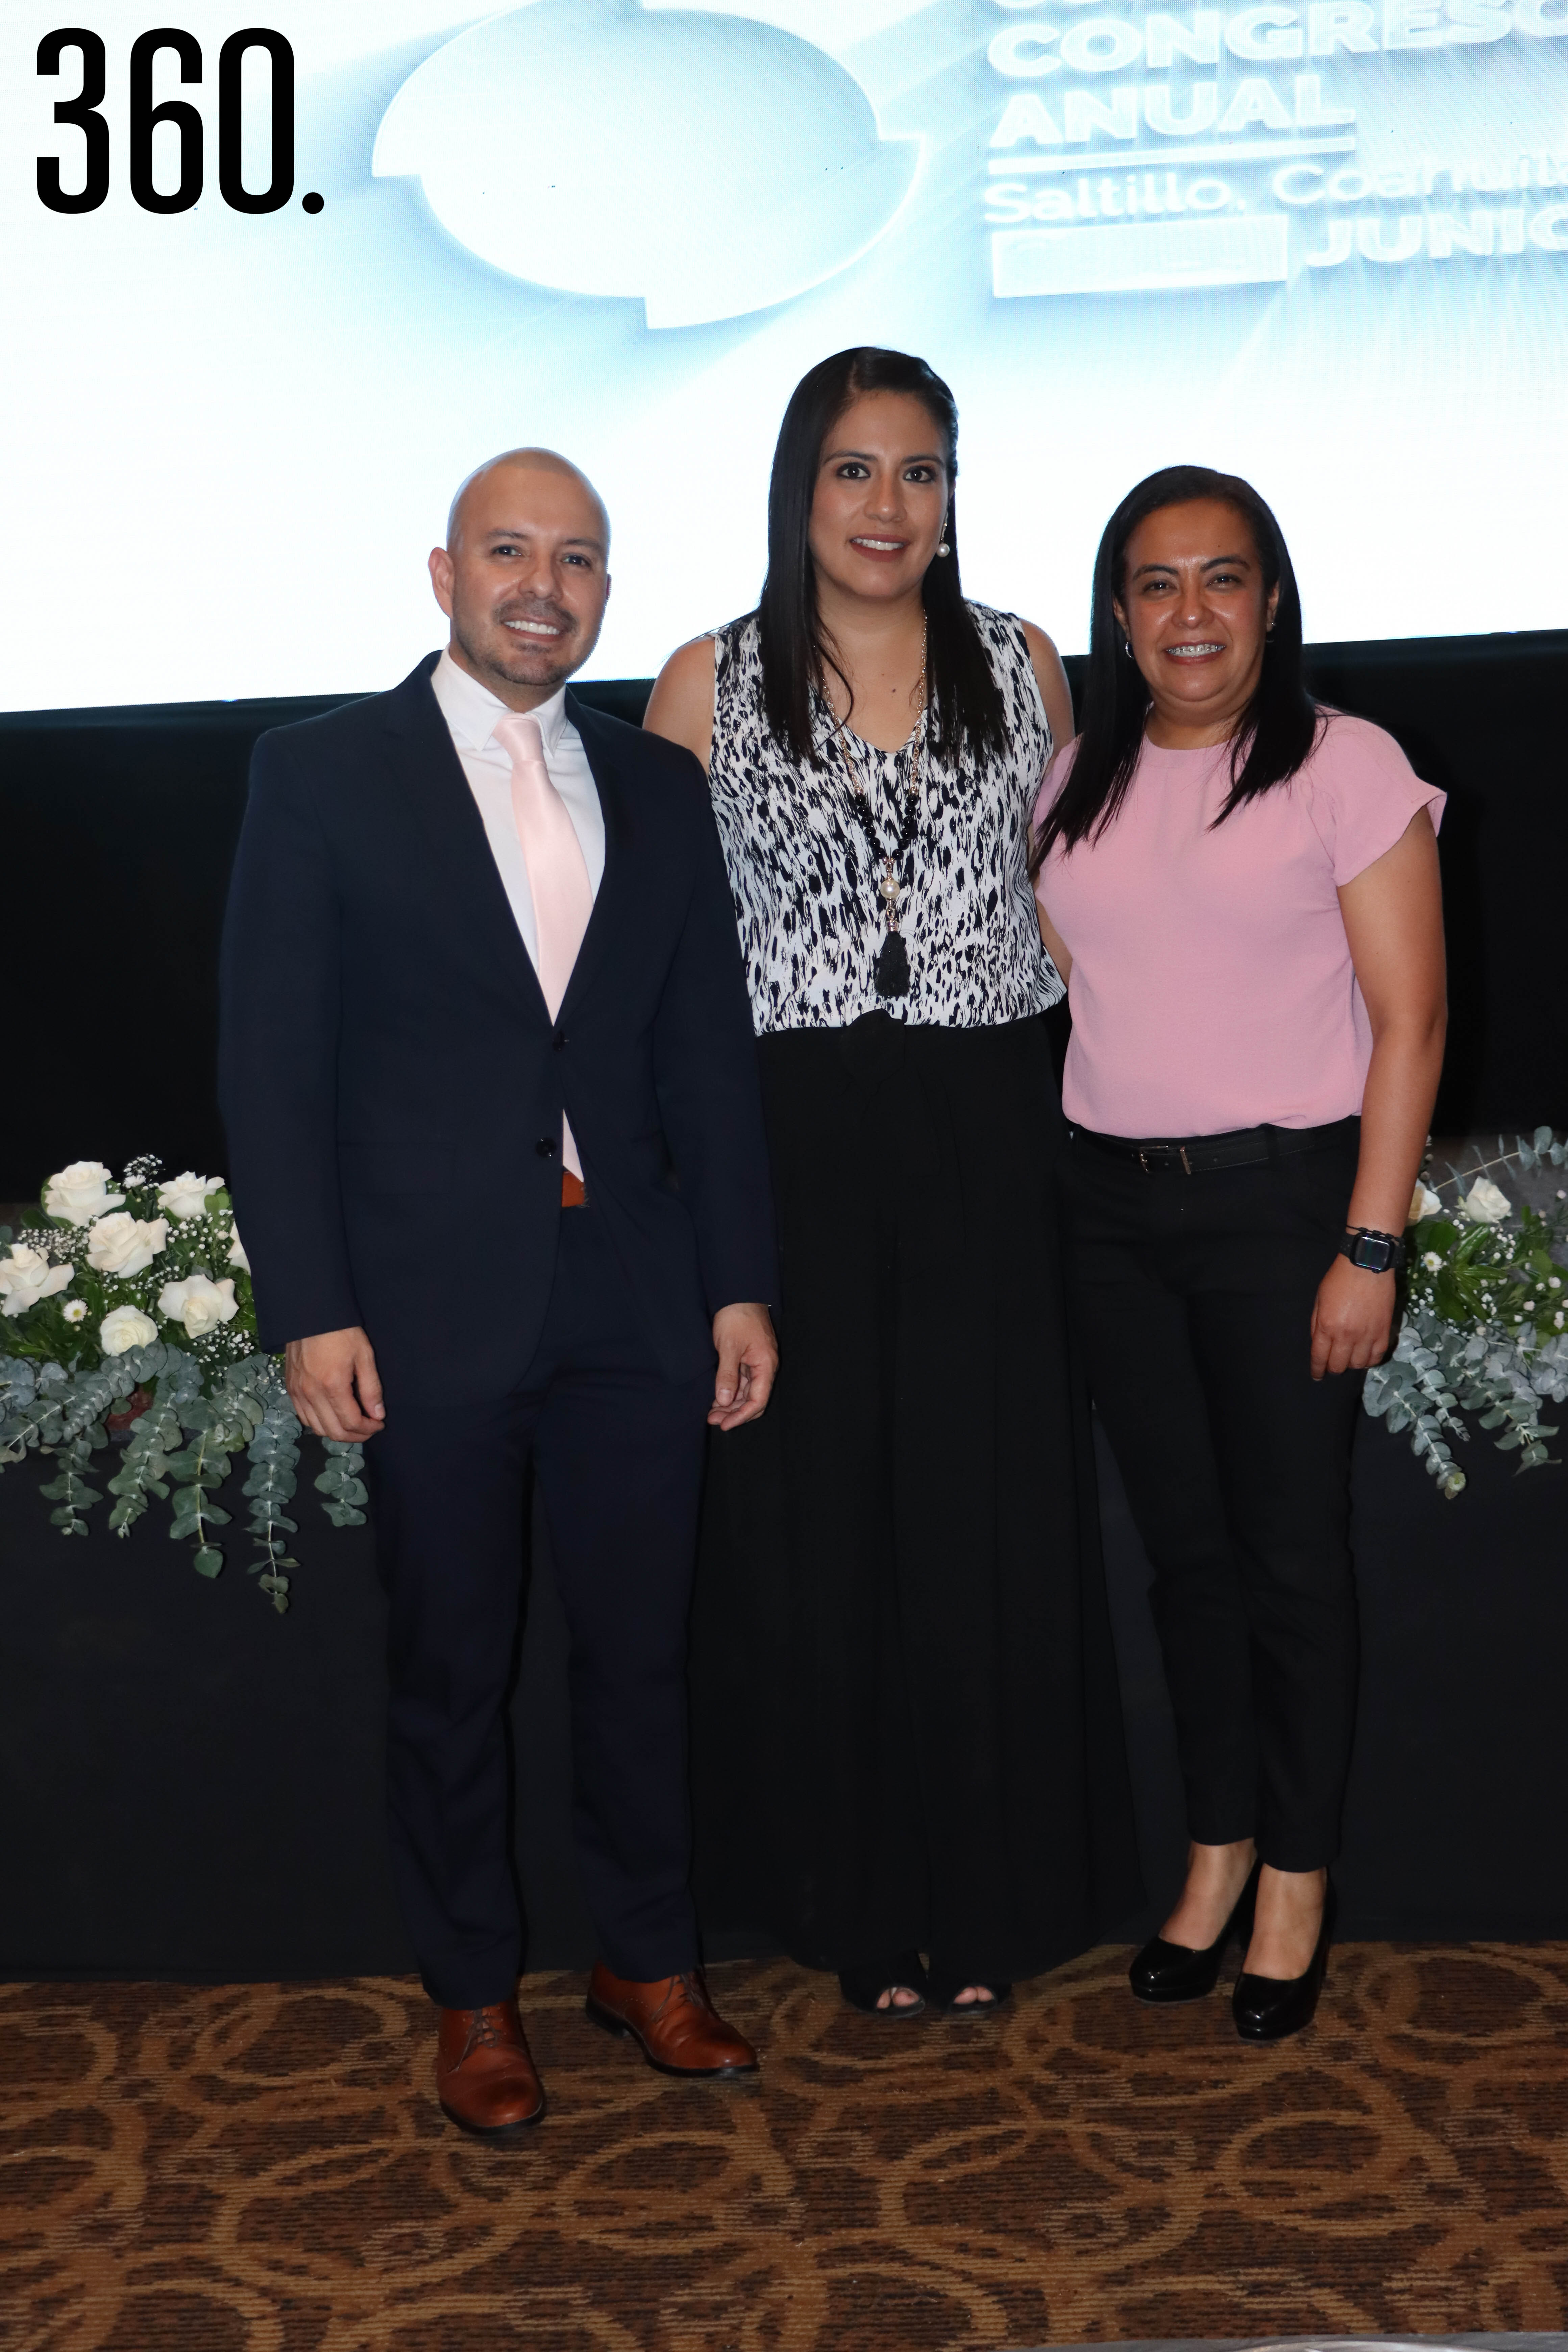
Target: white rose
{"x":121,"y":1245}
{"x":200,"y":1305}
{"x":1424,"y":1202}
{"x":80,"y":1193}
{"x":25,"y":1276}
{"x":123,"y":1327}
{"x":75,"y":1311}
{"x":236,"y":1254}
{"x":187,"y":1196}
{"x":1485,"y":1204}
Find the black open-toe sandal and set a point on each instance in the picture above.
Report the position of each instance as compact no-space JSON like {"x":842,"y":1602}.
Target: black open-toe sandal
{"x":943,"y":1987}
{"x":864,"y":1986}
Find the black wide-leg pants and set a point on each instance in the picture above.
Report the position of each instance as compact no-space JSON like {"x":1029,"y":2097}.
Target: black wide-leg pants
{"x":1194,"y":1298}
{"x":619,"y":1450}
{"x":908,"y":1733}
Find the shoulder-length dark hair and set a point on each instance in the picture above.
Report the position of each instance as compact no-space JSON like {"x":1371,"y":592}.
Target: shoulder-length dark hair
{"x":1280,"y":725}
{"x":965,"y":702}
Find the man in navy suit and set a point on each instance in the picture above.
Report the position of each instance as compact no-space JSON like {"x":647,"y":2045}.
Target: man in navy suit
{"x":497,"y":1151}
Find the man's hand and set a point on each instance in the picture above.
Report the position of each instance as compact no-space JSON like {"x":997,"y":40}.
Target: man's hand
{"x":333,"y":1385}
{"x":748,"y":1358}
{"x":1353,"y":1319}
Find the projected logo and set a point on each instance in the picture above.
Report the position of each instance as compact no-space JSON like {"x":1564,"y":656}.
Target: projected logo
{"x":1240,"y":144}
{"x":708,"y":164}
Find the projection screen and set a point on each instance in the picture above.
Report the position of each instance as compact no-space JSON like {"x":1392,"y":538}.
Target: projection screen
{"x":270,"y":290}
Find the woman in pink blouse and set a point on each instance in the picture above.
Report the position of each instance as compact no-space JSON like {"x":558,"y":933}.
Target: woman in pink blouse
{"x":1242,"y":892}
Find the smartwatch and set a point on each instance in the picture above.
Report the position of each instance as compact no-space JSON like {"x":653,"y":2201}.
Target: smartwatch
{"x":1374,"y":1253}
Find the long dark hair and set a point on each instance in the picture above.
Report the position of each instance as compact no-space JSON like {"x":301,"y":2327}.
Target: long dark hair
{"x":965,"y":702}
{"x":1280,"y":725}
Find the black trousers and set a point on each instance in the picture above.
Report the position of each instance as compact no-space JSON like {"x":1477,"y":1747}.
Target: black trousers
{"x":1195,"y":1296}
{"x":617,"y":1449}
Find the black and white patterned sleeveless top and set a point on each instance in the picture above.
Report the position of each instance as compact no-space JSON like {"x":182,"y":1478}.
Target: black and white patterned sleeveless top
{"x":804,"y":883}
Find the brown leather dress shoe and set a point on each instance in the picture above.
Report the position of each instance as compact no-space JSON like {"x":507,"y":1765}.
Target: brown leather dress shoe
{"x":681,"y":2030}
{"x":485,"y":2076}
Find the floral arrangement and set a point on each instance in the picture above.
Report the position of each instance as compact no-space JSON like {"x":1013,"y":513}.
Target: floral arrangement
{"x":1485,"y":1328}
{"x":127,"y":1315}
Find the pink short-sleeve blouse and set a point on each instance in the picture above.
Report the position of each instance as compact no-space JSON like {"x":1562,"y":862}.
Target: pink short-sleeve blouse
{"x":1212,"y":985}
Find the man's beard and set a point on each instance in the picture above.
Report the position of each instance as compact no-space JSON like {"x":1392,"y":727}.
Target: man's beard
{"x":524,"y":661}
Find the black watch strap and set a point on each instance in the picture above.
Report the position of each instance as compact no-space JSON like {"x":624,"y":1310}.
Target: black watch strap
{"x":1374,"y":1253}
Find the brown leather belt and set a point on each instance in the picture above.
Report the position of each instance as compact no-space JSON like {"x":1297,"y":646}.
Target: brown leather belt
{"x":572,"y":1194}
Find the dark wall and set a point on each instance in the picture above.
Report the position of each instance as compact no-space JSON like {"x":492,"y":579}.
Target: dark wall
{"x":117,"y":828}
{"x":195,"y":1787}
{"x":1483,"y":717}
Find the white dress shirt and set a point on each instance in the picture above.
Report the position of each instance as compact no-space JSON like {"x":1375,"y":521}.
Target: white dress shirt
{"x":471,"y":712}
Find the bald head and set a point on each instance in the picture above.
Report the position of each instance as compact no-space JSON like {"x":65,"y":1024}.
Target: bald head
{"x":524,"y":576}
{"x":522,"y":462}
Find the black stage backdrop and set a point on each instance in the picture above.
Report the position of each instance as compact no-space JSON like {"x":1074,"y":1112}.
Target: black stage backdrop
{"x":193,"y":1786}
{"x":117,"y":827}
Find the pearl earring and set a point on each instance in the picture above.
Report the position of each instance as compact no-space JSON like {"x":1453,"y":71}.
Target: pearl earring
{"x":942,"y":548}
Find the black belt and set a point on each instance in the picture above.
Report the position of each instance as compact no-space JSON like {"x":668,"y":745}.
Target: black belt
{"x":1241,"y":1146}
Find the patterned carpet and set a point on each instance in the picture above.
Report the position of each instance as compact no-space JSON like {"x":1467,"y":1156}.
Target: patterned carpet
{"x":263,"y":2169}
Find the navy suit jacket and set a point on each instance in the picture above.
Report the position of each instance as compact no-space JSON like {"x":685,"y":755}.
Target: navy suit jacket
{"x":391,"y":1083}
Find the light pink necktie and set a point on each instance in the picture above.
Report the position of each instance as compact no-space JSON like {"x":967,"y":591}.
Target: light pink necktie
{"x":557,"y":873}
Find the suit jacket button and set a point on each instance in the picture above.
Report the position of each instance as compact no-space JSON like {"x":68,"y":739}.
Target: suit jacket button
{"x":558,"y":1041}
{"x":545,"y":1147}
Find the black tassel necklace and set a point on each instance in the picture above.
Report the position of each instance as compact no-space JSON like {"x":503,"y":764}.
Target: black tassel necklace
{"x":892,"y":965}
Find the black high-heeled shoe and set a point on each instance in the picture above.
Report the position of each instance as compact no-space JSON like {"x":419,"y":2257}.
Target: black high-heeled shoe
{"x":1170,"y":1972}
{"x":864,"y":1986}
{"x":1265,"y":2008}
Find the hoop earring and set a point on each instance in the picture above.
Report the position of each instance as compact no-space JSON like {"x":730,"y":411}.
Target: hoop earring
{"x":943,"y":549}
{"x":1127,"y":648}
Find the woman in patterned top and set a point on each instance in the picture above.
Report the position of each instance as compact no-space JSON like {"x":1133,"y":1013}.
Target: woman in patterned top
{"x":904,"y":1699}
